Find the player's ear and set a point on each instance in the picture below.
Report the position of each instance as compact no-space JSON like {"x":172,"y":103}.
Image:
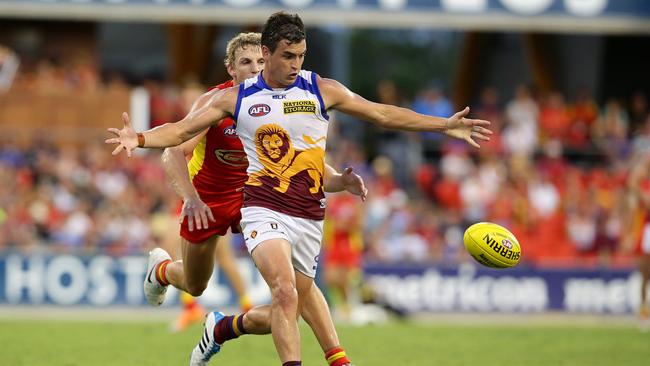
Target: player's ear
{"x":231,"y":71}
{"x":266,"y":52}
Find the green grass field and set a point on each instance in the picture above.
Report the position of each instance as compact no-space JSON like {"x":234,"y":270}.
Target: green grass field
{"x":88,"y":343}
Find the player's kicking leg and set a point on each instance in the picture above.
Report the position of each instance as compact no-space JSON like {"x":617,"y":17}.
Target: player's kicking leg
{"x":228,"y":264}
{"x":313,"y":307}
{"x":220,"y":328}
{"x":316,"y":312}
{"x":191,"y":274}
{"x":273,"y":259}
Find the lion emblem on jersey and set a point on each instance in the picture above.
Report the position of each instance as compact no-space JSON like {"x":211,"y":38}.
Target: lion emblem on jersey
{"x":282,"y":161}
{"x":273,"y":143}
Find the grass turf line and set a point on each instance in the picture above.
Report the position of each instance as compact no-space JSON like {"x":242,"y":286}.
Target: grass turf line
{"x":87,"y":343}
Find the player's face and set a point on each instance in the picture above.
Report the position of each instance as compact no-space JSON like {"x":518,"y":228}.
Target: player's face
{"x":283,"y":65}
{"x":248,"y":63}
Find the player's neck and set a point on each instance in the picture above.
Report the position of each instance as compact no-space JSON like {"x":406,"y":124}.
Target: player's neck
{"x":272,"y":83}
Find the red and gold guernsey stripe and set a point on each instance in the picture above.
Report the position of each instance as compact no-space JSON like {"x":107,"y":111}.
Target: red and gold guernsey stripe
{"x":331,"y":235}
{"x":198,"y":158}
{"x":356,"y":241}
{"x":218,"y":164}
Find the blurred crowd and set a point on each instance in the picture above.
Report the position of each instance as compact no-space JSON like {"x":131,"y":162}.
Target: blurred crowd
{"x":81,"y":200}
{"x":554,"y":173}
{"x":76,"y":72}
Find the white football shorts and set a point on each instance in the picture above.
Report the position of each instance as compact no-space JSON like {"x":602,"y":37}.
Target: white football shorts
{"x":305,"y":236}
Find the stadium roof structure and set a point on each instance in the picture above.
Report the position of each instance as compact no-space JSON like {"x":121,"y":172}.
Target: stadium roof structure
{"x":554,"y":16}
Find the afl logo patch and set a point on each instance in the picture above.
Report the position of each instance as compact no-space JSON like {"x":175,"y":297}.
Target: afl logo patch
{"x":230,"y":131}
{"x":506,"y":243}
{"x":259,"y":110}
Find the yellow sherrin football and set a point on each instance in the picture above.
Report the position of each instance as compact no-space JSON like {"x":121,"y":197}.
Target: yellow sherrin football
{"x":492,"y":245}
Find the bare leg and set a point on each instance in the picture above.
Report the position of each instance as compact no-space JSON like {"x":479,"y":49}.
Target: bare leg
{"x":313,"y":309}
{"x":226,"y":261}
{"x":316,"y":313}
{"x":169,"y":239}
{"x":336,"y":278}
{"x":192,"y":273}
{"x":273,"y":259}
{"x":644,"y":267}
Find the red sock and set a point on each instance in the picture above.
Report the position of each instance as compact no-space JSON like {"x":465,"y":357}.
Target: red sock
{"x":161,"y":274}
{"x":336,"y":357}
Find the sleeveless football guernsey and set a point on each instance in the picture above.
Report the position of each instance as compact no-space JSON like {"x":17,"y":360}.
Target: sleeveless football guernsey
{"x":284,"y":132}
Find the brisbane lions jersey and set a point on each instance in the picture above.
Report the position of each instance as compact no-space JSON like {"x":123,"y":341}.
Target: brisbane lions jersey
{"x":218,"y":164}
{"x":284,"y":133}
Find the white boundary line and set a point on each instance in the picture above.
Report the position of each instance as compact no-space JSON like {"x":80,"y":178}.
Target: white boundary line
{"x":9,"y":313}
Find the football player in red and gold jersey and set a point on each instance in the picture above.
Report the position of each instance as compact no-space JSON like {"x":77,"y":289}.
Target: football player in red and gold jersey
{"x":209,"y":185}
{"x":343,"y":249}
{"x":639,"y":186}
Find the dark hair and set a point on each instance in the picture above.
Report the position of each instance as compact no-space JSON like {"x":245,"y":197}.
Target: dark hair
{"x":282,"y":25}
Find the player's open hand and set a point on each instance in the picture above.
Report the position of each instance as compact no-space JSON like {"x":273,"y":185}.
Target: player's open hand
{"x":126,"y":138}
{"x":354,"y":183}
{"x":197,"y":213}
{"x":467,"y":129}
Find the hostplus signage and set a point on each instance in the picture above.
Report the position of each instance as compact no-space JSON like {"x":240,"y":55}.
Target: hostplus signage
{"x":105,"y":281}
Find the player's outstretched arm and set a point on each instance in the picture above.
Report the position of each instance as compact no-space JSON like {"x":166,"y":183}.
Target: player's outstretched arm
{"x":221,"y":105}
{"x":339,"y":97}
{"x":334,"y":181}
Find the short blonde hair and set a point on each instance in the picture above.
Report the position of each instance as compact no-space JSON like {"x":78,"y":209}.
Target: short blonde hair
{"x":242,"y":40}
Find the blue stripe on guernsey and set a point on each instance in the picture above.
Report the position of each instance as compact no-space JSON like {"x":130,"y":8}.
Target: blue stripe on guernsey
{"x":251,"y":90}
{"x":301,"y":83}
{"x":314,"y":87}
{"x":240,"y":95}
{"x":261,"y":83}
{"x":245,"y":92}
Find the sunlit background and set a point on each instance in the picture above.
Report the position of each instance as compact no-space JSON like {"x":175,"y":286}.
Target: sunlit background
{"x":565,"y":84}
